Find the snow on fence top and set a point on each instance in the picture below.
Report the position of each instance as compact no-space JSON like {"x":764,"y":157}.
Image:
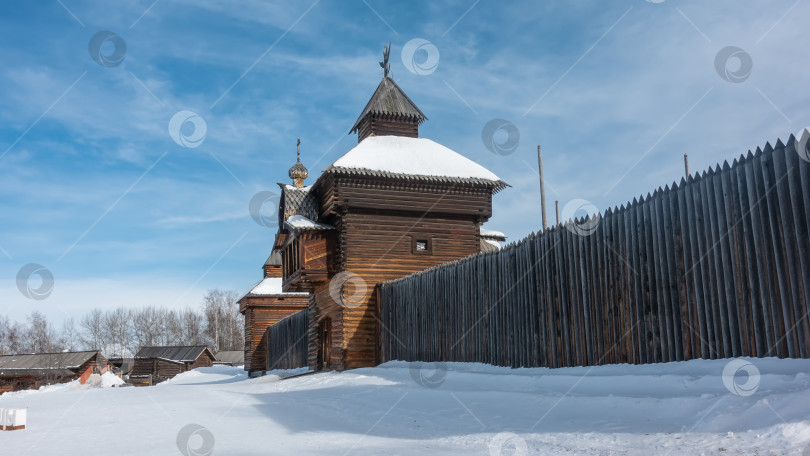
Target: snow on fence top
{"x":411,"y":156}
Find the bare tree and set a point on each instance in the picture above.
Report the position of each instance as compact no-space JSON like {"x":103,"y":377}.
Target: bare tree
{"x":147,"y":324}
{"x":40,"y":335}
{"x":118,"y":329}
{"x":92,"y":327}
{"x":12,"y":336}
{"x":121,"y":332}
{"x":224,"y":324}
{"x":172,"y":328}
{"x":192,"y":322}
{"x":69,"y":339}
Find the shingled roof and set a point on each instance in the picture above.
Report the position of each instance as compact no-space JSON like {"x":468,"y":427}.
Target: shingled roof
{"x":233,"y":357}
{"x":297,"y":201}
{"x":63,"y":363}
{"x":274,"y":259}
{"x":390,"y":100}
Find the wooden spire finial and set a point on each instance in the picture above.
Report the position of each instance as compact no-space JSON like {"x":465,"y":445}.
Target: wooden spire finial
{"x":298,"y":172}
{"x":384,"y":64}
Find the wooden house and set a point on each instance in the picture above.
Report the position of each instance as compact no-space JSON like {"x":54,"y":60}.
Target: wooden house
{"x":30,"y":371}
{"x":393,"y":205}
{"x":264,"y":305}
{"x":155,"y":364}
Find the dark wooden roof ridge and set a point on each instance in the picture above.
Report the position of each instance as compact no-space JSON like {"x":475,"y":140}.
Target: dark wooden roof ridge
{"x":231,"y":356}
{"x":390,"y":99}
{"x":45,"y":362}
{"x":173,"y":352}
{"x":274,"y":259}
{"x":496,"y":185}
{"x":52,"y":353}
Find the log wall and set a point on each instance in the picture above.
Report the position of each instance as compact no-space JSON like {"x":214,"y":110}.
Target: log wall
{"x":261,"y":312}
{"x":715,"y":267}
{"x":377,"y":247}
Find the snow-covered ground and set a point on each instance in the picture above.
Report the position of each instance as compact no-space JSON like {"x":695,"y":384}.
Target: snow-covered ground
{"x":687,"y":408}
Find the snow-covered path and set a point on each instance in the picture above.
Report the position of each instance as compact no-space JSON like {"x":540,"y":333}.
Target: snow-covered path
{"x":400,"y":408}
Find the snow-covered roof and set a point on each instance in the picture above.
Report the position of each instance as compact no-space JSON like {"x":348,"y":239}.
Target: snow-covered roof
{"x":399,"y":156}
{"x":491,"y":234}
{"x":293,"y":187}
{"x":269,"y":286}
{"x":299,"y":222}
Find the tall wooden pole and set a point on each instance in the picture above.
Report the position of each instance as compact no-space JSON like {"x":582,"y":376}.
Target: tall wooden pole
{"x":542,"y":187}
{"x":557,"y":208}
{"x":686,"y":164}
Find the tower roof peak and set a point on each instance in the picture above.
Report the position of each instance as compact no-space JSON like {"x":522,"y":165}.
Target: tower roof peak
{"x":389,"y":111}
{"x":390,"y":100}
{"x":298,"y":172}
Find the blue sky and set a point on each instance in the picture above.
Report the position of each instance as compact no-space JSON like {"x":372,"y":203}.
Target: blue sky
{"x":95,"y":189}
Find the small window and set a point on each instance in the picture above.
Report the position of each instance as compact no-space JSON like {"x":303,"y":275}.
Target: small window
{"x":422,"y":245}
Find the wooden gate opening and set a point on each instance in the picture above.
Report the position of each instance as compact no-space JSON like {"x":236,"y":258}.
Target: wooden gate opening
{"x":324,"y":343}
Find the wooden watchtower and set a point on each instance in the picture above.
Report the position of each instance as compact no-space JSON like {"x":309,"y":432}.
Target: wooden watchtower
{"x":393,"y":205}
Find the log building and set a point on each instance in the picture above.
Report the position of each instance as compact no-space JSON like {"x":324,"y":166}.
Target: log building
{"x":266,"y":304}
{"x":393,"y":205}
{"x":30,"y":371}
{"x":155,"y":364}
